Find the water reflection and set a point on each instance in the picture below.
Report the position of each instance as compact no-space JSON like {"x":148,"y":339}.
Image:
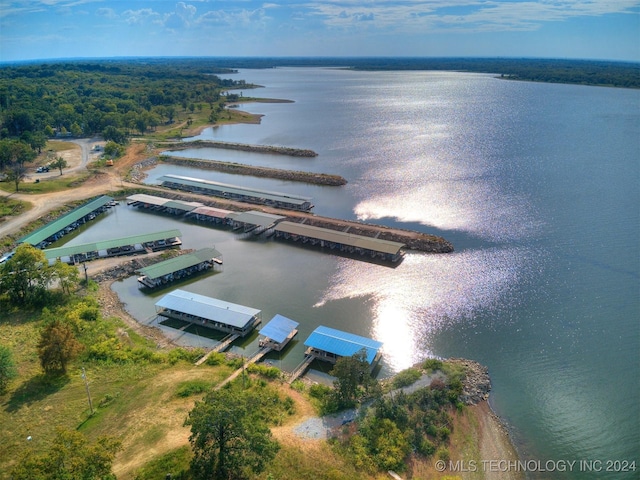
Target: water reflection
{"x":426,"y":292}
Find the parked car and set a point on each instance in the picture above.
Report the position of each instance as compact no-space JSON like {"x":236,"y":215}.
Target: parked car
{"x":6,"y":257}
{"x":42,"y":169}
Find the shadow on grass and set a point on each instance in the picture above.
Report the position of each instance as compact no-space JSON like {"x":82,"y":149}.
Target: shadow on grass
{"x":35,"y":389}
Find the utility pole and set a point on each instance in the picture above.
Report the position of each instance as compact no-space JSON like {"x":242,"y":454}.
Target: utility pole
{"x":86,"y":385}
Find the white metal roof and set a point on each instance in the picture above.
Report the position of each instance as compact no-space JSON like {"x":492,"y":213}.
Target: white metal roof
{"x":208,"y":308}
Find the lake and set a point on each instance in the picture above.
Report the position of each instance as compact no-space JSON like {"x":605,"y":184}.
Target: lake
{"x":537,"y":187}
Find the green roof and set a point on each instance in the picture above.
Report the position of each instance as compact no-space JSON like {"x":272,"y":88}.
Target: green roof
{"x":106,"y":244}
{"x":51,"y":228}
{"x":179,"y":263}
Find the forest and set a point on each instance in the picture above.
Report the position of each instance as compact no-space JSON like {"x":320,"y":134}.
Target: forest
{"x":84,"y":98}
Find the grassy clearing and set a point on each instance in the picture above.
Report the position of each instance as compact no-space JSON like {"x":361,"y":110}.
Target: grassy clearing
{"x":48,"y":185}
{"x":11,"y":208}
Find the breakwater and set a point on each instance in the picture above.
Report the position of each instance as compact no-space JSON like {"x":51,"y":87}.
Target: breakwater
{"x":293,"y":152}
{"x":265,"y":172}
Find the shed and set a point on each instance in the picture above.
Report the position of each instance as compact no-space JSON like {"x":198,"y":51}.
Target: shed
{"x":330,"y":344}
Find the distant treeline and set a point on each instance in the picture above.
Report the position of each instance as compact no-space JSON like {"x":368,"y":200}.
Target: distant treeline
{"x":583,"y":72}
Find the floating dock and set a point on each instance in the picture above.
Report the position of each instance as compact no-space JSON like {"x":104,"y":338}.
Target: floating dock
{"x":238,"y":193}
{"x":329,"y":344}
{"x":149,"y":242}
{"x":179,"y":267}
{"x":55,"y":230}
{"x":278,"y":332}
{"x":341,"y":241}
{"x":209,"y":312}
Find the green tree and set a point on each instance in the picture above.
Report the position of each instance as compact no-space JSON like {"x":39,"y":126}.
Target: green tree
{"x":76,"y":130}
{"x":57,"y":347}
{"x":59,"y":163}
{"x":228,"y":438}
{"x":25,"y":276}
{"x":70,"y":456}
{"x":7,"y":368}
{"x":353,"y":379}
{"x":66,"y":275}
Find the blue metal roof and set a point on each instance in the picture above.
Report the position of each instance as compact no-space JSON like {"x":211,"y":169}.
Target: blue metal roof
{"x":278,"y":328}
{"x":342,"y":343}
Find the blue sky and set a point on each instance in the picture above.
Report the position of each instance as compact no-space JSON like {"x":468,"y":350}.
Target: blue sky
{"x":41,"y":29}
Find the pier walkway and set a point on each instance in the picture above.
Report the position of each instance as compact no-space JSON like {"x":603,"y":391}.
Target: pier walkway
{"x":256,"y":358}
{"x":301,"y":369}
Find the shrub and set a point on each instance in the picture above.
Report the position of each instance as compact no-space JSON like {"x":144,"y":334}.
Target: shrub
{"x":182,"y":354}
{"x":192,"y":387}
{"x":264,"y":370}
{"x":216,"y":358}
{"x":431,"y":364}
{"x":406,"y":377}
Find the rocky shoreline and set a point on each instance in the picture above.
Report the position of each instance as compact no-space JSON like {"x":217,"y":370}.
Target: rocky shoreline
{"x":265,"y":172}
{"x":476,"y":383}
{"x":293,"y":152}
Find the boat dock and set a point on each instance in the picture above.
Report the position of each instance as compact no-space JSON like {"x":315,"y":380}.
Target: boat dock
{"x":136,"y":244}
{"x":178,"y":268}
{"x":56,"y":229}
{"x":209,"y":312}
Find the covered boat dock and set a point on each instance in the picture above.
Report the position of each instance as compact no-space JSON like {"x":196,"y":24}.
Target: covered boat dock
{"x":342,"y":241}
{"x":179,"y":267}
{"x":254,"y":221}
{"x":55,"y":230}
{"x":111,"y":248}
{"x":235,"y":192}
{"x":278,"y":332}
{"x":209,"y":312}
{"x":210,"y":214}
{"x":329,"y":344}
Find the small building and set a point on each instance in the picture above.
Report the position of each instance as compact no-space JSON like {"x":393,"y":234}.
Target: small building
{"x":179,"y":267}
{"x":329,"y":344}
{"x":209,"y":312}
{"x":278,"y":332}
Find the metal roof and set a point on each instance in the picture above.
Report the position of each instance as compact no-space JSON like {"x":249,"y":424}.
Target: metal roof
{"x":179,"y":263}
{"x":212,"y":212}
{"x":179,"y":205}
{"x":335,"y":236}
{"x":279,"y":328}
{"x":255,"y":217}
{"x":342,"y":343}
{"x":234,"y":189}
{"x":67,"y":251}
{"x":208,"y":308}
{"x":149,"y":199}
{"x":51,"y":228}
